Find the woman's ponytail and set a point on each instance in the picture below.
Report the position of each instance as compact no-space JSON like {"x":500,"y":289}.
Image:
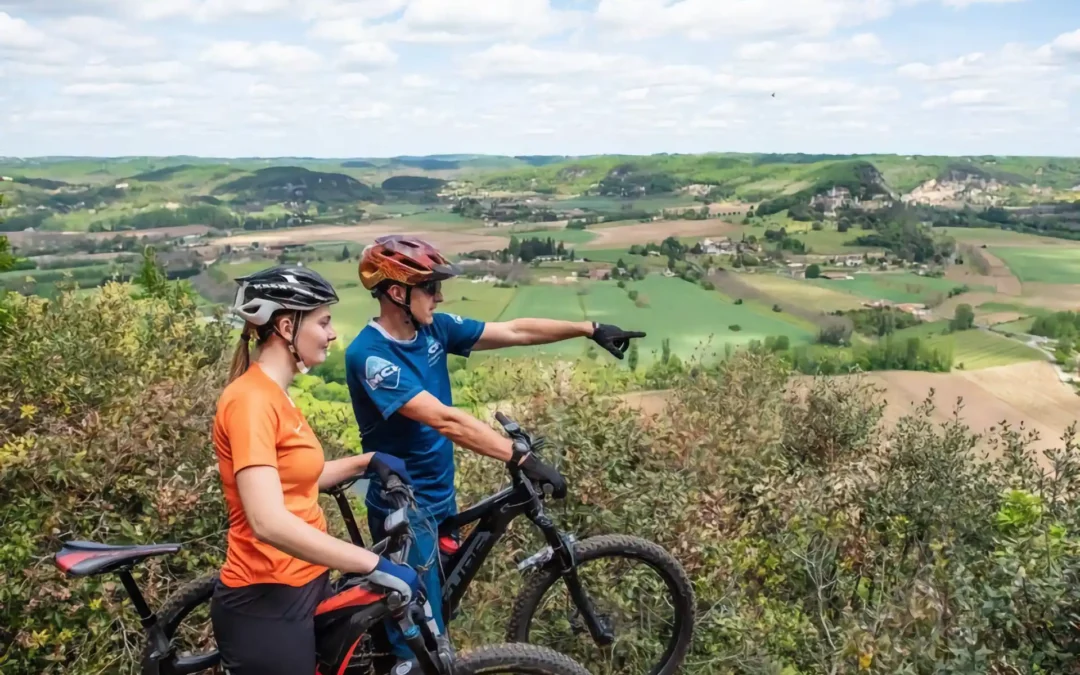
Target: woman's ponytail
{"x":241,"y":357}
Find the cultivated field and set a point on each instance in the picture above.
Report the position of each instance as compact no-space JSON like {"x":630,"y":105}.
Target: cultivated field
{"x":1042,"y":264}
{"x":27,"y":238}
{"x":555,"y":233}
{"x":891,"y":286}
{"x":995,"y":237}
{"x":447,"y":241}
{"x":998,"y":275}
{"x":1027,"y":394}
{"x":696,"y":321}
{"x":972,"y":349}
{"x":685,"y":313}
{"x":1058,"y":297}
{"x":624,"y":236}
{"x":809,"y":296}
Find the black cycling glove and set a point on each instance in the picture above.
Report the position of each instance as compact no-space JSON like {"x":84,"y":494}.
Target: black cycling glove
{"x":539,"y":471}
{"x":614,"y":339}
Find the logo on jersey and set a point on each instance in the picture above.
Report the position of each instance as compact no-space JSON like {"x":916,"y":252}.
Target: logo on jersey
{"x":381,"y":373}
{"x":434,"y":350}
{"x":456,"y":318}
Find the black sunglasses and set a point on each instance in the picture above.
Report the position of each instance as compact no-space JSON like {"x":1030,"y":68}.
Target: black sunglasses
{"x":430,"y":287}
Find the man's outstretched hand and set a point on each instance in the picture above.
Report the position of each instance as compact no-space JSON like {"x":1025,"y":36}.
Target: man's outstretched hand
{"x":614,"y":339}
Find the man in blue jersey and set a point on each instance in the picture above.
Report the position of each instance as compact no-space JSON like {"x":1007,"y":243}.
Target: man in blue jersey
{"x":400,"y":387}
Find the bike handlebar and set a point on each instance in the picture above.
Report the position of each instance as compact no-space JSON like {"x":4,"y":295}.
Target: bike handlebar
{"x":524,"y":444}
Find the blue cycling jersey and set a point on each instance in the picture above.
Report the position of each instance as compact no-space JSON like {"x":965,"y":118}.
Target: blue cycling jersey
{"x":383,"y":373}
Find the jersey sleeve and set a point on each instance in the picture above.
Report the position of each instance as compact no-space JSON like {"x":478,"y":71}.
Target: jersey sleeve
{"x":251,"y":424}
{"x":458,"y":333}
{"x":383,"y":379}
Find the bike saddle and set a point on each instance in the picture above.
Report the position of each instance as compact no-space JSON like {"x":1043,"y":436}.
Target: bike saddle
{"x":87,"y":558}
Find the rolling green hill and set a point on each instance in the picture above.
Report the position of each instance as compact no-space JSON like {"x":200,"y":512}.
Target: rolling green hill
{"x":290,"y":183}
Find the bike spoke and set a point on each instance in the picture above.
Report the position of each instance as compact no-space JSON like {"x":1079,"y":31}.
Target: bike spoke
{"x":629,"y":597}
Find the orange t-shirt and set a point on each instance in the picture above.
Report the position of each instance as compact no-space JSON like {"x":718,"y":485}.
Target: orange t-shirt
{"x":257,"y":424}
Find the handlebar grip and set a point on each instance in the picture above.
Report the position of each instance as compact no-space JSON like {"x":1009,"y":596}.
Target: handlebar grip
{"x":502,"y":419}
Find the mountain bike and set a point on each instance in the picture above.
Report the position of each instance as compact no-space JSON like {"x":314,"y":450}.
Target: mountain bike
{"x":604,"y":614}
{"x":349,"y":625}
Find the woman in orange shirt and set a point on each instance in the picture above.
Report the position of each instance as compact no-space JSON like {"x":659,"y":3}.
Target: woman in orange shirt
{"x":279,"y":554}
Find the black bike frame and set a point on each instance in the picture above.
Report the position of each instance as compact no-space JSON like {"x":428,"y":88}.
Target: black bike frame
{"x":493,"y":515}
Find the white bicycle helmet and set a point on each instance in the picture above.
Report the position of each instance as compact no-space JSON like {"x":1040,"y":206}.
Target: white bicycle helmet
{"x":282,"y":287}
{"x":298,"y":289}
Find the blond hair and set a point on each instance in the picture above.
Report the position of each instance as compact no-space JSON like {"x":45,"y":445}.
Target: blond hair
{"x":241,"y":359}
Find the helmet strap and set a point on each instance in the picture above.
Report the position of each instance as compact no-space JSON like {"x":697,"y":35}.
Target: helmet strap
{"x":405,"y":306}
{"x":298,"y":316}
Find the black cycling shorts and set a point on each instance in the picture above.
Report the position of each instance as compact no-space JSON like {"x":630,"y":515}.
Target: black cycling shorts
{"x":267,"y":629}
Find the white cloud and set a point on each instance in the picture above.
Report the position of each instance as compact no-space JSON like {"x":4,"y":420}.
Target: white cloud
{"x":639,"y":94}
{"x":862,"y":47}
{"x":1065,"y":45}
{"x":336,"y":10}
{"x":704,"y":19}
{"x":370,"y":111}
{"x":666,"y":76}
{"x":417,"y":82}
{"x":238,"y":55}
{"x":385,"y":77}
{"x":340,"y":30}
{"x":353,"y":80}
{"x":370,"y":54}
{"x":150,"y":72}
{"x":96,"y":89}
{"x":758,"y":51}
{"x":956,"y":69}
{"x":963,"y":98}
{"x":260,"y":117}
{"x":101,"y":33}
{"x":459,"y":20}
{"x":263,"y":90}
{"x":709,"y":123}
{"x":202,"y":10}
{"x":18,"y":34}
{"x":967,"y":3}
{"x":156,"y":103}
{"x":523,"y":60}
{"x":785,"y":87}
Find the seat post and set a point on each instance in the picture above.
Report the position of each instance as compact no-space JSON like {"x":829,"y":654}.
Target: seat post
{"x":146,"y":617}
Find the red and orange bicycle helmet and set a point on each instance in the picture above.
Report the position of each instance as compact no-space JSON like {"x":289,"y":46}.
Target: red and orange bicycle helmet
{"x":406,"y":260}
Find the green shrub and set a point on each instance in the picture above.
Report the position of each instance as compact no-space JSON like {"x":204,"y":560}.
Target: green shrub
{"x":818,"y":542}
{"x":105,"y":410}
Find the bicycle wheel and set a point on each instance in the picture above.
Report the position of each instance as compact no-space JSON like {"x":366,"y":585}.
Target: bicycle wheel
{"x":627,"y":601}
{"x":193,"y":641}
{"x":516,"y":659}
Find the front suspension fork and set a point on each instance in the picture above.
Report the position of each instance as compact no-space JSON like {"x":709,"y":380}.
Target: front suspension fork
{"x":562,"y":555}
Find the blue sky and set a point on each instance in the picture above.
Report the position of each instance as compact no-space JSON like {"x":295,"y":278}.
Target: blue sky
{"x":348,"y":78}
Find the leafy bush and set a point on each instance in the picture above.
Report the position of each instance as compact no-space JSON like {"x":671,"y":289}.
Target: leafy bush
{"x":1059,"y":325}
{"x":734,"y":327}
{"x":105,"y":408}
{"x":880,"y":321}
{"x":818,"y":542}
{"x":963,"y":319}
